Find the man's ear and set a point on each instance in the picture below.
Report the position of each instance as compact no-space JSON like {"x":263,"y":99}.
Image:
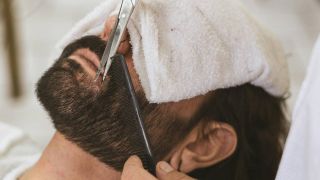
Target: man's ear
{"x":204,"y":147}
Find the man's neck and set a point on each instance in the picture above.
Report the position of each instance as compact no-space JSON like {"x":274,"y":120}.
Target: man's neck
{"x":64,"y":160}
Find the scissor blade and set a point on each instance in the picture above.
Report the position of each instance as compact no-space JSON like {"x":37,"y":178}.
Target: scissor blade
{"x":106,"y":54}
{"x":118,"y":30}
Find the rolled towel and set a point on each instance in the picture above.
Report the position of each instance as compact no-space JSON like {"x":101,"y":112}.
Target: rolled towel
{"x":186,"y":48}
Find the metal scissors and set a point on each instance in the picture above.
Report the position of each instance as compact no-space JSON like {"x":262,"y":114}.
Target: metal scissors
{"x":126,"y":9}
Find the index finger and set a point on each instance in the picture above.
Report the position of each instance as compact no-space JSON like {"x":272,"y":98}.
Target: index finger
{"x":124,"y":46}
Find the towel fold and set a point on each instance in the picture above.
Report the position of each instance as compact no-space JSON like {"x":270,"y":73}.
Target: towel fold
{"x":186,"y":48}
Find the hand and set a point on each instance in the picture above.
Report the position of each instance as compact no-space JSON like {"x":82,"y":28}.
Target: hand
{"x":124,"y":46}
{"x":133,"y":170}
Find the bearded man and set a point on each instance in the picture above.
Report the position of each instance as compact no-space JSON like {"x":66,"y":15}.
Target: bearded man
{"x":232,"y":132}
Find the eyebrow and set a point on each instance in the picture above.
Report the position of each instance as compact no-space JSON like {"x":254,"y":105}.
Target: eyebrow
{"x":85,"y":58}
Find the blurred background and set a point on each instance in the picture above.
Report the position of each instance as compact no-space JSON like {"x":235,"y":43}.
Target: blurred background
{"x":30,"y":29}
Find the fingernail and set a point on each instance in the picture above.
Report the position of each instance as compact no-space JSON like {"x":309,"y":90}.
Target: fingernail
{"x":165,"y":167}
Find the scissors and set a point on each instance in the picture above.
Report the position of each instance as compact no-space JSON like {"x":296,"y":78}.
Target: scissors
{"x":126,"y":9}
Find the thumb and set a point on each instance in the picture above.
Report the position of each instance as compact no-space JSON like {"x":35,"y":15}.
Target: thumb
{"x":133,"y":170}
{"x":166,"y":172}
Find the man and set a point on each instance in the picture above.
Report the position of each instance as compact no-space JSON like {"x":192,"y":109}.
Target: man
{"x":233,"y":133}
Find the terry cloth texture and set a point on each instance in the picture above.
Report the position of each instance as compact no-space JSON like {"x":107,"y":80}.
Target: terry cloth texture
{"x":186,"y":48}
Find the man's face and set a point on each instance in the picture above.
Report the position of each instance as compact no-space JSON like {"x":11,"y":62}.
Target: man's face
{"x":91,"y":114}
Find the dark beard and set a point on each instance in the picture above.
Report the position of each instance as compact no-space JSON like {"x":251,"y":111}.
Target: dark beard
{"x":65,"y":89}
{"x":94,"y":118}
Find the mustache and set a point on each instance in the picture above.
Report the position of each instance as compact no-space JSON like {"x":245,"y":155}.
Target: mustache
{"x":93,"y":43}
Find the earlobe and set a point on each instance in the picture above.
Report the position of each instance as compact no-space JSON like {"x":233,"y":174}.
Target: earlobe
{"x":205,"y":147}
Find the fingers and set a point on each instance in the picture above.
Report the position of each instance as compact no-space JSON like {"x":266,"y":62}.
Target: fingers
{"x":124,"y":46}
{"x":133,"y":170}
{"x":108,"y":27}
{"x":133,"y":161}
{"x":166,"y":172}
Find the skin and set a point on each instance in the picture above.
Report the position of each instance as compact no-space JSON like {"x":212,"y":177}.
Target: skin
{"x":63,"y":159}
{"x":57,"y":163}
{"x":133,"y":169}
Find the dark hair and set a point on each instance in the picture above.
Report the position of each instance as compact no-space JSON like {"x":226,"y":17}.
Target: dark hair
{"x":259,"y":120}
{"x":97,"y":122}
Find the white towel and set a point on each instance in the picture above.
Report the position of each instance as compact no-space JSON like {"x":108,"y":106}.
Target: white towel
{"x":301,"y":158}
{"x":186,"y":48}
{"x":17,"y":152}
